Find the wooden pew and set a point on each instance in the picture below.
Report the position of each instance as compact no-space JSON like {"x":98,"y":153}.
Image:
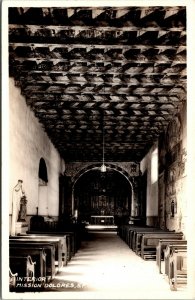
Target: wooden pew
{"x":167,"y":254}
{"x":73,"y":242}
{"x":48,"y":237}
{"x":177,"y":266}
{"x":128,"y":230}
{"x":55,"y":241}
{"x":122,"y":231}
{"x":134,"y":236}
{"x":22,"y":265}
{"x":71,"y":248}
{"x":149,"y":241}
{"x":12,"y":279}
{"x":69,"y":237}
{"x":162,"y":243}
{"x":49,"y":249}
{"x":77,"y":229}
{"x":37,"y":254}
{"x":126,"y":233}
{"x":137,"y":236}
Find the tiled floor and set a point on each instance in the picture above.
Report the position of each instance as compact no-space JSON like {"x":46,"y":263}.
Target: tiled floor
{"x":105,"y":268}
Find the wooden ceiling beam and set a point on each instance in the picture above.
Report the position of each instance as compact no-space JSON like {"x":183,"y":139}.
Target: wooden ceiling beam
{"x":34,"y":30}
{"x":146,"y":61}
{"x":51,"y":46}
{"x":138,"y":82}
{"x":130,"y":122}
{"x":77,"y":9}
{"x":60,"y":99}
{"x":142,"y":110}
{"x":128,"y":8}
{"x":101,"y":89}
{"x":94,"y":13}
{"x":68,"y":133}
{"x":153,"y":71}
{"x":176,"y":76}
{"x":100,"y":77}
{"x":97,"y":80}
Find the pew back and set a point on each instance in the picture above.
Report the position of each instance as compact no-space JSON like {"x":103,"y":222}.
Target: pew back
{"x":149,"y":241}
{"x":63,"y":239}
{"x":37,"y":254}
{"x":71,"y":239}
{"x":162,"y":243}
{"x":39,"y":241}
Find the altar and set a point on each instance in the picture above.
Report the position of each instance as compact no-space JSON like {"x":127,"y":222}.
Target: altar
{"x":101,"y":222}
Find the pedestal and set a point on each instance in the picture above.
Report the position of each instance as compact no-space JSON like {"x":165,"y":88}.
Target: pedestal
{"x":21,"y":227}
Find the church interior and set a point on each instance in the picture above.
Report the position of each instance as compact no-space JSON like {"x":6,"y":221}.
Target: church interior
{"x":98,"y":149}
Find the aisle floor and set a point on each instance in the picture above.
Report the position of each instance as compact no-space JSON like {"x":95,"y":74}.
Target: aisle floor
{"x":105,"y":268}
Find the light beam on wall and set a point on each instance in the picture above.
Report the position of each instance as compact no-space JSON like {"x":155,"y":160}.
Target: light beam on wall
{"x":154,"y":166}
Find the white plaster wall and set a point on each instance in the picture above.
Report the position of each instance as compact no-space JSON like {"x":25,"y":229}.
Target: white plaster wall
{"x":27,"y":144}
{"x":152,"y":185}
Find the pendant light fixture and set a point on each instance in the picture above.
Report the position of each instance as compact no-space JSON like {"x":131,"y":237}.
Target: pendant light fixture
{"x":103,"y":167}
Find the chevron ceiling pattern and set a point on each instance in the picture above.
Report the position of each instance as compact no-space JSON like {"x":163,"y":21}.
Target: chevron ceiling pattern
{"x":85,"y":70}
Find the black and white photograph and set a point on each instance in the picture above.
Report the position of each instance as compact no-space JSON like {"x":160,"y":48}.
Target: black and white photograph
{"x":97,"y":153}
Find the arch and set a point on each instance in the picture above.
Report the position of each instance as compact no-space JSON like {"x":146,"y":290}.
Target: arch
{"x":107,"y":193}
{"x":97,"y":166}
{"x":43,"y":170}
{"x":42,"y":207}
{"x":131,"y":180}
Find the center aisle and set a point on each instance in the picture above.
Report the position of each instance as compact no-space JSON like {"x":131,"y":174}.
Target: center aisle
{"x":105,"y":268}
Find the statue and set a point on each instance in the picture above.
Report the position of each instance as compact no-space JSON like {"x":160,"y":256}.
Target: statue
{"x":16,"y":198}
{"x":22,"y":211}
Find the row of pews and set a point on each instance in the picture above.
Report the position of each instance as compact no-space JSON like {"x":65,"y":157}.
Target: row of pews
{"x":37,"y":256}
{"x":167,"y":248}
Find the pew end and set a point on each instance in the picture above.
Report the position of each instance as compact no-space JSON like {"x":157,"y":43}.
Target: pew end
{"x":12,"y":279}
{"x":178,"y":268}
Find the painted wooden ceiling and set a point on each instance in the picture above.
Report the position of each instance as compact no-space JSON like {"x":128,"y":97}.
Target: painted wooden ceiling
{"x":89,"y":70}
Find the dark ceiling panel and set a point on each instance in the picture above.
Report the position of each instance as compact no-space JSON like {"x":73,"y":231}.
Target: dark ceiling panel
{"x":83,"y":69}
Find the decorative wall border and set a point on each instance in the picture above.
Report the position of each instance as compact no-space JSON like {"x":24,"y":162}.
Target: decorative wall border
{"x":130,"y":168}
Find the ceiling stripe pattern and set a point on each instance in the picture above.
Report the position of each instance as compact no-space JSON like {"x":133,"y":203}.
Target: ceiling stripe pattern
{"x":83,"y":69}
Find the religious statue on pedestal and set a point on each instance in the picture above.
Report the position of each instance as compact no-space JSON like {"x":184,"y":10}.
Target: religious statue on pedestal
{"x":18,"y":206}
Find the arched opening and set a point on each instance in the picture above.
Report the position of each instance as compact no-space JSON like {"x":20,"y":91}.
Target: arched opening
{"x":108,"y":193}
{"x":43,"y":170}
{"x":42,"y":208}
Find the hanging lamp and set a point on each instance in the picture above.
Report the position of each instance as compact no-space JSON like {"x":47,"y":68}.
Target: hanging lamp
{"x":103,"y":167}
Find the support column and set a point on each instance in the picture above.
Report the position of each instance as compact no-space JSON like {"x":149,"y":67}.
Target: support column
{"x":134,"y":203}
{"x":73,"y":206}
{"x":136,"y":217}
{"x":152,"y":188}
